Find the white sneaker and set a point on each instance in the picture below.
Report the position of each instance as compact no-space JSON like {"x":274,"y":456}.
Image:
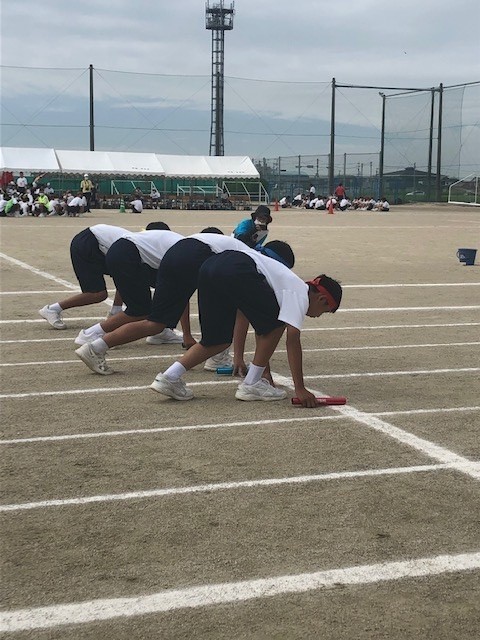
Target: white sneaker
{"x":222,"y":359}
{"x":261,"y":390}
{"x":83,"y":338}
{"x":177,"y":389}
{"x":94,"y":361}
{"x":167,"y":336}
{"x":52,"y":317}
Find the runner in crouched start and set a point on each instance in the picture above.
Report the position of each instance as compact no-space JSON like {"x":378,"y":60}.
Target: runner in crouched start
{"x":273,"y":299}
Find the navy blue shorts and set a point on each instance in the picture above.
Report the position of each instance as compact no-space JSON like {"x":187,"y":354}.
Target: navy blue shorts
{"x":133,"y":278}
{"x":177,"y":280}
{"x":88,"y":262}
{"x":229,"y":281}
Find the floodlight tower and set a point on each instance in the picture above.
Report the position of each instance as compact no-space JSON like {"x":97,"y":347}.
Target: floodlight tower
{"x":218,"y":19}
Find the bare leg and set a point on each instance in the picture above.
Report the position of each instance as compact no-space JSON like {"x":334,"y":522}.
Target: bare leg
{"x":266,"y":346}
{"x":198,"y":354}
{"x":188,"y":339}
{"x":239,"y":338}
{"x":132,"y":331}
{"x":83,"y":299}
{"x":119,"y":319}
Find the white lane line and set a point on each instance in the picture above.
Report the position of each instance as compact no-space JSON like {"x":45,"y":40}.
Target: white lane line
{"x":309,"y":329}
{"x":471,"y":307}
{"x":430,"y":449}
{"x":344,"y":286}
{"x":223,"y":486}
{"x":336,"y":349}
{"x":372,"y":374}
{"x":217,"y":382}
{"x":224,"y":425}
{"x":160,"y":430}
{"x":414,"y":285}
{"x":407,"y":412}
{"x":233,"y":592}
{"x":38,"y":272}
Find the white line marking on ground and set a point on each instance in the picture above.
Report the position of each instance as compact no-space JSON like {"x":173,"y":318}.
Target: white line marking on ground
{"x":336,"y":349}
{"x":356,"y":310}
{"x":328,"y":376}
{"x":38,"y":272}
{"x":160,"y":430}
{"x":345,"y":286}
{"x":407,"y":412}
{"x":223,"y":486}
{"x":359,"y":328}
{"x":232,"y":592}
{"x":224,"y":425}
{"x":430,"y":449}
{"x":74,"y":288}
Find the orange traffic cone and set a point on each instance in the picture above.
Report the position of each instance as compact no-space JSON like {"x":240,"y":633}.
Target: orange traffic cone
{"x":276,"y":205}
{"x":330,"y":207}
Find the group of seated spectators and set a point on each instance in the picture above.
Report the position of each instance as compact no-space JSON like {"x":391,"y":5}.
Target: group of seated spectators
{"x":335,"y":203}
{"x":41,"y":203}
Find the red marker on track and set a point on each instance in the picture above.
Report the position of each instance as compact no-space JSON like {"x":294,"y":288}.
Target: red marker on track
{"x":329,"y":400}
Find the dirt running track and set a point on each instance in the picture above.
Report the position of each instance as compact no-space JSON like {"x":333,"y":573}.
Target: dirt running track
{"x":129,"y":516}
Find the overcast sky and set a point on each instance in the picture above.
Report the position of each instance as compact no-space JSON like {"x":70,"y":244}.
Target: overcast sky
{"x":413,"y":43}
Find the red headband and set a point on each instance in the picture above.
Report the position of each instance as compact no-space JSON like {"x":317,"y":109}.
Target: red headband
{"x":332,"y":303}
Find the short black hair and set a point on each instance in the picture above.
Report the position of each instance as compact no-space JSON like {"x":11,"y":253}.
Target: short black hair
{"x":283,"y":250}
{"x":333,"y":287}
{"x":212,"y":230}
{"x":158,"y":226}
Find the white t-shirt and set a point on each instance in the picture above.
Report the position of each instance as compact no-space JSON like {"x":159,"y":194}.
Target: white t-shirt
{"x":153,"y":245}
{"x":76,"y":202}
{"x":138,"y":204}
{"x":22,"y":182}
{"x":290,"y":290}
{"x":283,"y":201}
{"x":107,"y":234}
{"x":344,"y":202}
{"x":219,"y":243}
{"x":319,"y":203}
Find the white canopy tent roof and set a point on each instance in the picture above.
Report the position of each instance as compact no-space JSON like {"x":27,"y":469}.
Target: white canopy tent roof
{"x":17,"y":159}
{"x":125,"y":163}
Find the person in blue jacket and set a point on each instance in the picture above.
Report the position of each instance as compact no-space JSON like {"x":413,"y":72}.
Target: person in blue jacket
{"x":253,"y":231}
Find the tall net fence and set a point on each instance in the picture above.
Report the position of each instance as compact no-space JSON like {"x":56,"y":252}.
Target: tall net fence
{"x":272,"y":122}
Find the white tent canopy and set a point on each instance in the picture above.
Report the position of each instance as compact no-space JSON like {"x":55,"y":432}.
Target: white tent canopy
{"x":17,"y":159}
{"x":125,"y":163}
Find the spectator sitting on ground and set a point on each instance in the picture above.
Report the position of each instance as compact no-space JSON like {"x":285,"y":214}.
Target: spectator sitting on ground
{"x":26,"y":204}
{"x":320,"y":204}
{"x":383,"y":205}
{"x":12,"y":207}
{"x":332,"y":201}
{"x":136,"y":205}
{"x":40,"y":208}
{"x":56,"y":207}
{"x":76,"y":205}
{"x":298,"y":200}
{"x":344,"y":204}
{"x":253,"y":231}
{"x":48,"y":191}
{"x":370,"y":205}
{"x":284,"y":202}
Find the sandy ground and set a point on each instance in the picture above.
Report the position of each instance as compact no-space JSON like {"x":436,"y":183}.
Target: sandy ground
{"x":147,"y":495}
